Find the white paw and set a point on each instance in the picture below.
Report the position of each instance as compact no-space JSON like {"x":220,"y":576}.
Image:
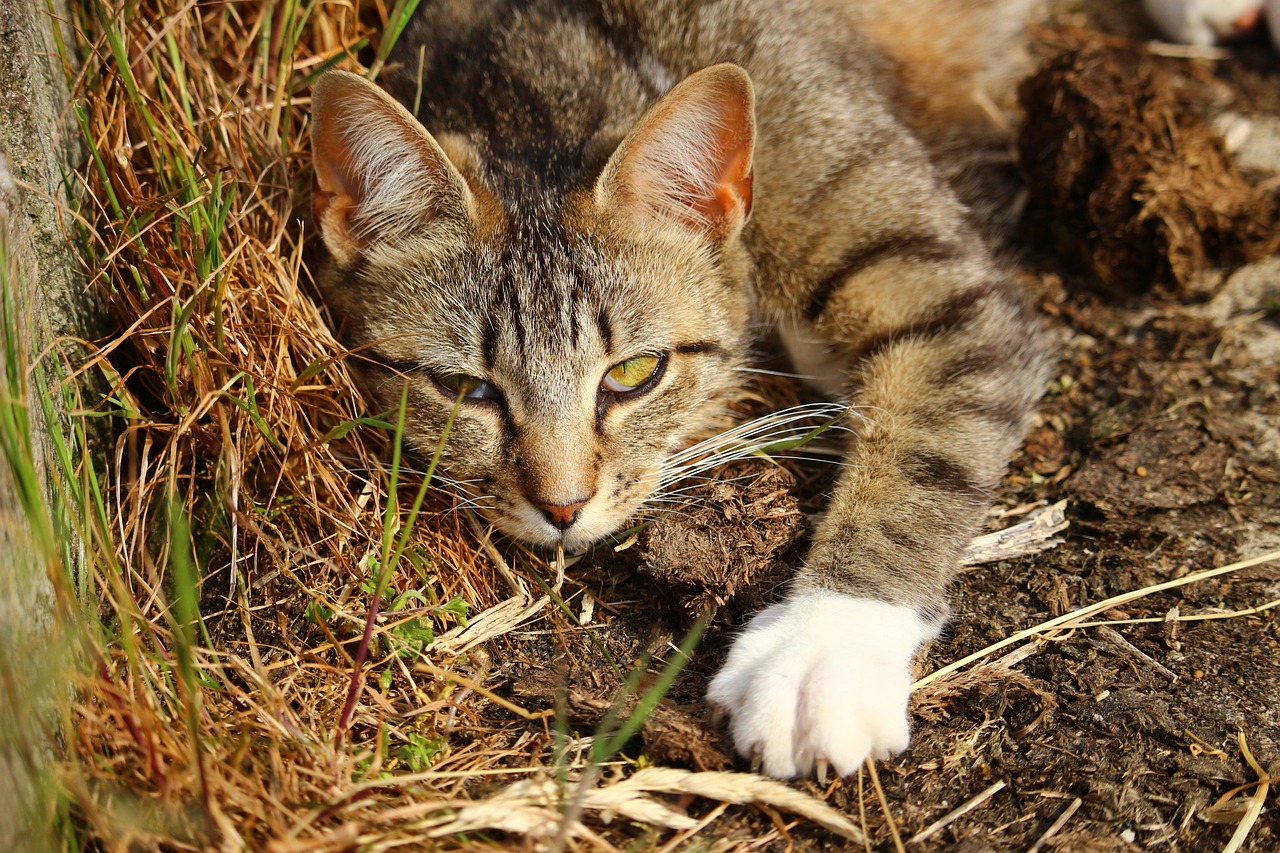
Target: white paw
{"x":820,"y":677}
{"x":1204,"y":22}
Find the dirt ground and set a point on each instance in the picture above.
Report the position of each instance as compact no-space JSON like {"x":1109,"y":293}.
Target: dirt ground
{"x":1162,"y":432}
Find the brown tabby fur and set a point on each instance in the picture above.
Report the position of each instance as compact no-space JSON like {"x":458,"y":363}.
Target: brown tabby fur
{"x":524,"y":242}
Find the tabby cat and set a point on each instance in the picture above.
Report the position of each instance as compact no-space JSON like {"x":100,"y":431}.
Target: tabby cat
{"x":579,"y":215}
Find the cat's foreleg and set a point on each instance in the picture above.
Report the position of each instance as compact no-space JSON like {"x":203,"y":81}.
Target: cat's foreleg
{"x":942,"y":399}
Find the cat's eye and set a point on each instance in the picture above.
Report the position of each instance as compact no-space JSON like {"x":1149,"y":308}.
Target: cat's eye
{"x":471,"y":387}
{"x":632,"y":374}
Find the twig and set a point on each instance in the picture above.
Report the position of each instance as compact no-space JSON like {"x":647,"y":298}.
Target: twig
{"x":941,"y":823}
{"x":1057,"y":824}
{"x":884,"y":805}
{"x":1115,"y":638}
{"x":500,"y":619}
{"x":1032,"y":535}
{"x":1071,"y":619}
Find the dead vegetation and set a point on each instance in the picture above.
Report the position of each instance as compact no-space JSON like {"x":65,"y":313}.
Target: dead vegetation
{"x":280,"y":651}
{"x":1143,"y":188}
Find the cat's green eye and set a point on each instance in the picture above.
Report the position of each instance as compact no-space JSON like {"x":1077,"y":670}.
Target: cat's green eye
{"x":472,"y":387}
{"x":632,"y":374}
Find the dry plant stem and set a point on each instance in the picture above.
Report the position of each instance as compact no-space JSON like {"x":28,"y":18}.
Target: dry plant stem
{"x":1187,"y":51}
{"x":1079,"y":615}
{"x":1036,"y":533}
{"x":1256,"y":802}
{"x":884,"y":805}
{"x":1116,"y":639}
{"x":862,"y":812}
{"x":1070,"y":810}
{"x":500,"y":619}
{"x":942,"y":822}
{"x":485,"y":534}
{"x":1190,"y":617}
{"x":732,"y":787}
{"x":423,"y":666}
{"x":680,"y":839}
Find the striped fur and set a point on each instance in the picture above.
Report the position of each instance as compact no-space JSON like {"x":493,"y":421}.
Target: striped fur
{"x":576,"y":205}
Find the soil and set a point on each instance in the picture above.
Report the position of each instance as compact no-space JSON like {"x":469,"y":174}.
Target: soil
{"x":1161,"y":430}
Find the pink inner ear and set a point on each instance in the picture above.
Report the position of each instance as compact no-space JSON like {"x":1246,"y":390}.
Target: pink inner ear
{"x":1248,"y":19}
{"x":721,"y":165}
{"x":732,"y":195}
{"x":335,"y":192}
{"x":690,"y":157}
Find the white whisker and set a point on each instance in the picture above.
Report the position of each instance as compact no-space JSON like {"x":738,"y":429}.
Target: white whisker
{"x":652,"y":514}
{"x":765,"y":372}
{"x":477,"y":502}
{"x":817,"y":460}
{"x":776,"y":435}
{"x":758,"y":435}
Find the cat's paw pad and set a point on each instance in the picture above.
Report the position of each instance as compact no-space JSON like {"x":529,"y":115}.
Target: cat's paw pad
{"x":820,"y":679}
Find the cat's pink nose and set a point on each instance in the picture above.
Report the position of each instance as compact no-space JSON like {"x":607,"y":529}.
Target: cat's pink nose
{"x":561,"y":515}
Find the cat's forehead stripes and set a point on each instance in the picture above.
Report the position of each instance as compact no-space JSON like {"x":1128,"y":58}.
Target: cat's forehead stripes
{"x":544,"y":299}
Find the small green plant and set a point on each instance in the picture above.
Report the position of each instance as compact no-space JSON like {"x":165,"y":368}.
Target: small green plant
{"x":418,"y":752}
{"x":318,"y":613}
{"x":408,"y":639}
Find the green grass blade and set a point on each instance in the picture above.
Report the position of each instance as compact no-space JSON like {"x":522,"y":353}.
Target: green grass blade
{"x":399,"y":18}
{"x":607,"y":746}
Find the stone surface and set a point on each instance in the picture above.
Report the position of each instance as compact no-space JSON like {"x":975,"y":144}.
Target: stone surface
{"x":45,"y":292}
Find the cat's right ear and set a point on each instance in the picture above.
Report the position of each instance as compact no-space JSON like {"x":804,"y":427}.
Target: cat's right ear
{"x":379,"y":176}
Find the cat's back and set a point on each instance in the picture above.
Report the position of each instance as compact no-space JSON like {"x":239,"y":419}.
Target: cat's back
{"x":614,"y":56}
{"x":544,"y":90}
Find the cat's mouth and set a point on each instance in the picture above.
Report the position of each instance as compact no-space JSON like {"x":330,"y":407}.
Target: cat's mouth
{"x":573,"y":527}
{"x":531,"y":525}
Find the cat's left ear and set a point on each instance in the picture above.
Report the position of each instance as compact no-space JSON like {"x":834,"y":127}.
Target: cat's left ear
{"x":688,"y":160}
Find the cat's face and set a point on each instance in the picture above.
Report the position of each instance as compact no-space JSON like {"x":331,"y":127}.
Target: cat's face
{"x":586,"y":339}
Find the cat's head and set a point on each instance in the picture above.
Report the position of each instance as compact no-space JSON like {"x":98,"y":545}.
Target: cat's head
{"x":589,"y":332}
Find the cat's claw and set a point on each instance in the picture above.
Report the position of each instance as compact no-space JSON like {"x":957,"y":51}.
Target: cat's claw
{"x":821,"y":770}
{"x":820,"y":681}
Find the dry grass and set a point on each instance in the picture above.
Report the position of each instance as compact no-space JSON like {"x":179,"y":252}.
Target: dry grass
{"x":236,"y":405}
